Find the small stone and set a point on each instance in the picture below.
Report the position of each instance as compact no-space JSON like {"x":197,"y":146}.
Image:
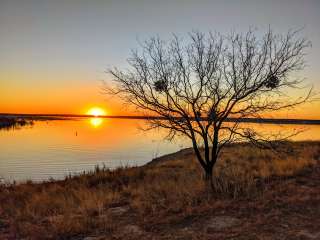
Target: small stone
{"x":118,"y":210}
{"x":133,"y":229}
{"x":307,"y":235}
{"x":221,"y":222}
{"x":93,"y":238}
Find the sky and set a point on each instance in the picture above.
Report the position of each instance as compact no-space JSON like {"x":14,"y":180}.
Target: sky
{"x":54,"y":53}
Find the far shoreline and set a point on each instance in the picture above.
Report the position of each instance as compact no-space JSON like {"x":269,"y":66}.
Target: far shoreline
{"x":288,"y":121}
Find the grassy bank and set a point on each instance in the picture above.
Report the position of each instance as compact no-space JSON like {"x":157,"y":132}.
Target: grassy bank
{"x":259,"y":194}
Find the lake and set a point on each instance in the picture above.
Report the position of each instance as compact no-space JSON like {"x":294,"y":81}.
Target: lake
{"x":56,"y":148}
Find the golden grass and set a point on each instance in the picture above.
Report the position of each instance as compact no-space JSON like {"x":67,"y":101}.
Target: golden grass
{"x":80,"y":205}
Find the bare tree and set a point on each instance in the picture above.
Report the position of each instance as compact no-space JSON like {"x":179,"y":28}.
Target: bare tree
{"x":203,"y":88}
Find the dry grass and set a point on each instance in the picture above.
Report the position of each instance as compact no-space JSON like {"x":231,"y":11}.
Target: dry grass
{"x":169,"y":187}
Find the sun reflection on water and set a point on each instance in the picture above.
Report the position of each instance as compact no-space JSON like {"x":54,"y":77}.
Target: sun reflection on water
{"x":96,"y":122}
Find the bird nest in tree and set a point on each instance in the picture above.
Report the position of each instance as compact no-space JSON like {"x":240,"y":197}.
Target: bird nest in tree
{"x":272,"y":82}
{"x":160,"y":85}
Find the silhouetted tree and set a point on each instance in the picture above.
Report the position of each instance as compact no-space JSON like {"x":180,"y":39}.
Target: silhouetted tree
{"x":197,"y":86}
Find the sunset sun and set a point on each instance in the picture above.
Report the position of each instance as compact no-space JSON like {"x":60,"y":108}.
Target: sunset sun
{"x":96,"y":111}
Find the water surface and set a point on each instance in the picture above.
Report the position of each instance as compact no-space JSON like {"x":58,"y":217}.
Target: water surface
{"x":54,"y":149}
{"x":58,"y":148}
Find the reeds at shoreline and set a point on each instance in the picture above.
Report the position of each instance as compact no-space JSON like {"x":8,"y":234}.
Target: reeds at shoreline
{"x":8,"y":123}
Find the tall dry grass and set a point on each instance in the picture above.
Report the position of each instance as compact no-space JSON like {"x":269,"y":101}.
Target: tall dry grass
{"x":174,"y":185}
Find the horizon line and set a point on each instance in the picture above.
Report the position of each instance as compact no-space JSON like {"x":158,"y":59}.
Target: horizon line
{"x":248,"y":120}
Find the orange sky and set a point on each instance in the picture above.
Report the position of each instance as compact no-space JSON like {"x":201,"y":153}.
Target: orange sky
{"x":73,"y":93}
{"x":77,"y":91}
{"x":79,"y":98}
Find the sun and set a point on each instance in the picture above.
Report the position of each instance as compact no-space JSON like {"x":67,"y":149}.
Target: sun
{"x":96,"y":111}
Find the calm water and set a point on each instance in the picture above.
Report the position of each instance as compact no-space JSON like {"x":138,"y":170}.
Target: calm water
{"x":58,"y":148}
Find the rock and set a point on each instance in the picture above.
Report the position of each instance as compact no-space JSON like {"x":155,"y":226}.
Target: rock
{"x":93,"y":238}
{"x":132,"y":229}
{"x":307,"y":235}
{"x":221,"y":222}
{"x":118,"y":210}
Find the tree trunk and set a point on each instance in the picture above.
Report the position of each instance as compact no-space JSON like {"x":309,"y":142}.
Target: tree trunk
{"x":208,"y":176}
